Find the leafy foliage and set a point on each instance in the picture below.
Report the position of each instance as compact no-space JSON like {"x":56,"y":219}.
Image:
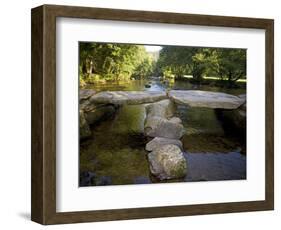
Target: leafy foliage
{"x":105,"y":61}
{"x":231,"y":64}
{"x":197,"y":61}
{"x":113,"y":61}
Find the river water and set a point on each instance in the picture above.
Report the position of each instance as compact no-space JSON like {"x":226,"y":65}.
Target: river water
{"x":115,"y":155}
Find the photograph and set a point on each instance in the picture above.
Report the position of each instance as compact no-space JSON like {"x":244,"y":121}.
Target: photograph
{"x":141,"y":114}
{"x":161,"y":113}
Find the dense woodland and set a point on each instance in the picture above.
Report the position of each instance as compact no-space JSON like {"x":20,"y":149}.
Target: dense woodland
{"x":115,"y":62}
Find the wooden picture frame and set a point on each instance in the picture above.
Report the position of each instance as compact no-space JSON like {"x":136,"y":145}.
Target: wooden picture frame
{"x":43,"y":208}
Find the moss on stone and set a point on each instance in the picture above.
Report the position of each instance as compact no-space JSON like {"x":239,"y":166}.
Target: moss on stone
{"x":180,"y":170}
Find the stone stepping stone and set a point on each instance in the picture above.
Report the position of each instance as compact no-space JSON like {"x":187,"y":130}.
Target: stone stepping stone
{"x":159,"y":141}
{"x":205,"y":99}
{"x":159,"y":121}
{"x":128,"y":97}
{"x":167,"y":162}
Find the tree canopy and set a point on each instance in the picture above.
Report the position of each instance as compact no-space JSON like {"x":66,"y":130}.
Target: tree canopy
{"x":126,"y":61}
{"x":197,"y":61}
{"x":114,"y":61}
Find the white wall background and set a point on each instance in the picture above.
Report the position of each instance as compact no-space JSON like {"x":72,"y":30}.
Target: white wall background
{"x":15,"y":113}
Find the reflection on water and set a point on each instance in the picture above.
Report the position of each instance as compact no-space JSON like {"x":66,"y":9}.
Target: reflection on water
{"x":115,"y":152}
{"x":157,"y":85}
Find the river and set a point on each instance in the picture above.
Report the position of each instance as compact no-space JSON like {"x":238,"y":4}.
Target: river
{"x":115,"y":155}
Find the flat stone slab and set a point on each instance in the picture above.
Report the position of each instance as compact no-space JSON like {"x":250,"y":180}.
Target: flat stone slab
{"x":205,"y":99}
{"x":128,"y":97}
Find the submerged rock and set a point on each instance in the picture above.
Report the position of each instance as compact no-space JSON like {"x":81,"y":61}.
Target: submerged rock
{"x":128,"y":97}
{"x":167,"y":162}
{"x":102,"y":180}
{"x":157,"y":142}
{"x":206,"y":99}
{"x":142,"y":180}
{"x":84,"y":128}
{"x":86,"y":178}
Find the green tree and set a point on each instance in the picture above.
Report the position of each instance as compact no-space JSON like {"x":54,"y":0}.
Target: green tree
{"x":181,"y":61}
{"x":113,"y":61}
{"x":144,"y":68}
{"x":86,"y":54}
{"x":231,"y":64}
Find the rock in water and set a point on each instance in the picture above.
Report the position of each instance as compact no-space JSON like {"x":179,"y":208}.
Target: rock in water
{"x":161,"y":127}
{"x":167,"y":162}
{"x":103,"y":180}
{"x":235,"y":118}
{"x":85,"y":94}
{"x":157,"y":142}
{"x":205,"y":99}
{"x":99,"y":113}
{"x":84,"y":128}
{"x":86,"y":178}
{"x":160,"y":122}
{"x":164,"y":109}
{"x":128,"y":97}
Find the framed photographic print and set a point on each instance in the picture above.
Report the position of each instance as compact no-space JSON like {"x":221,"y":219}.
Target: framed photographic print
{"x":140,"y":114}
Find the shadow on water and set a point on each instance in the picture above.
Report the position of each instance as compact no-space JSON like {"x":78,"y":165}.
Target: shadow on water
{"x":115,"y":154}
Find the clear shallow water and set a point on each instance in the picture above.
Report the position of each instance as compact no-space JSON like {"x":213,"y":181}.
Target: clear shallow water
{"x":115,"y":152}
{"x":215,"y":166}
